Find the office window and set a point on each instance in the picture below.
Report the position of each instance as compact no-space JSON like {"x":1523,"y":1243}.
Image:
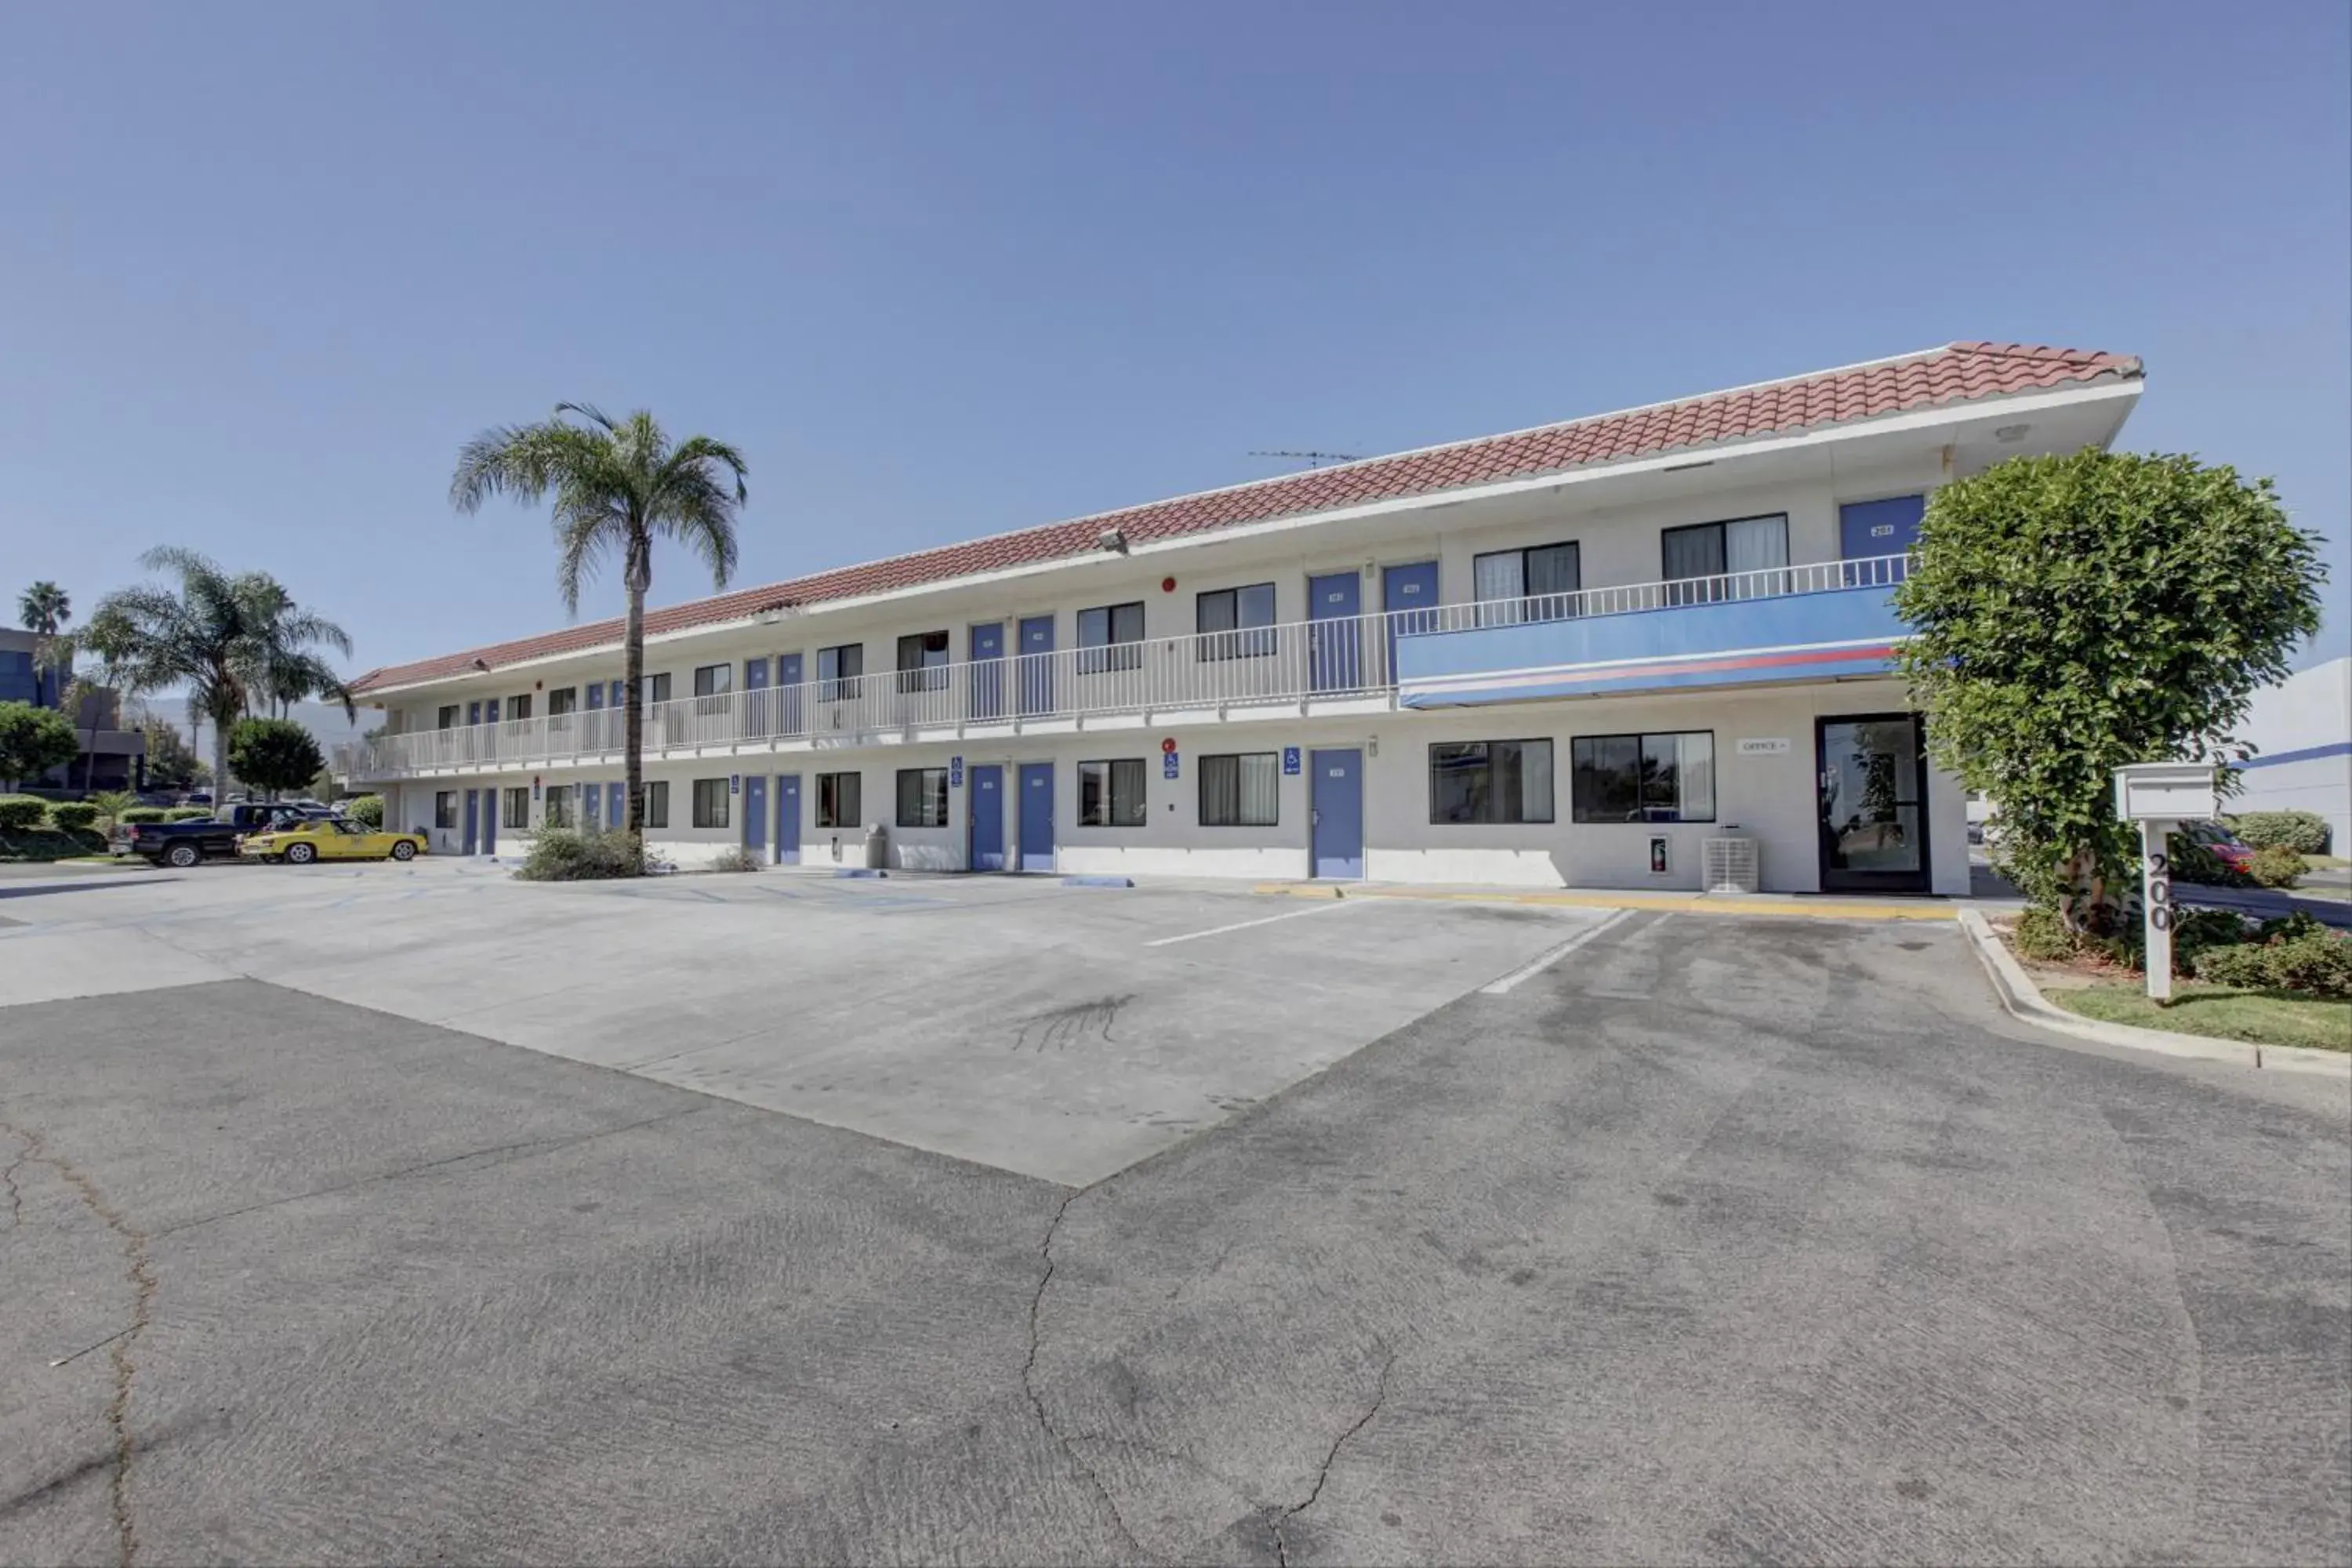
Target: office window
{"x":1643,"y":778}
{"x":657,"y":803}
{"x":514,"y":808}
{"x":562,"y":700}
{"x":1235,"y":623}
{"x":1709,"y":551}
{"x":1490,"y":781}
{"x":840,"y":672}
{"x":710,"y":803}
{"x":1240,"y":790}
{"x":1539,"y":584}
{"x":838,"y":802}
{"x":558,"y":804}
{"x":518,"y":708}
{"x":1111,"y":637}
{"x":658,"y":688}
{"x":923,"y":662}
{"x":448,"y":720}
{"x":1111,"y":794}
{"x":923,"y":797}
{"x":714,"y":679}
{"x":445,"y":809}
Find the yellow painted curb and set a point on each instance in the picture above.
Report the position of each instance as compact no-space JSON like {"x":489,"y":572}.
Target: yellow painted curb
{"x":1688,"y":903}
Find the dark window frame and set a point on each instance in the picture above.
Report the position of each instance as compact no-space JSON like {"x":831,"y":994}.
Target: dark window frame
{"x":448,"y":715}
{"x":705,"y":790}
{"x":518,"y":708}
{"x":1241,"y":640}
{"x":1584,"y":807}
{"x":1109,"y":795}
{"x":1273,"y":759}
{"x":828,"y":799}
{"x":926,"y":674}
{"x":658,"y":688}
{"x":1560,"y":603}
{"x":1114,"y":652}
{"x":657,"y":803}
{"x":1495,"y":795}
{"x":1721,"y":528}
{"x":714,"y":679}
{"x":563,"y":701}
{"x":445,"y":810}
{"x":514,"y":808}
{"x":842,"y":685}
{"x":932,"y":796}
{"x":555,"y":807}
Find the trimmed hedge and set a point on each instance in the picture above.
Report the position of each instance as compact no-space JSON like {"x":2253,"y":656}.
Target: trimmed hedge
{"x":186,"y":812}
{"x":2275,"y":866}
{"x":22,"y":812}
{"x":2301,"y":831}
{"x":73,"y":815}
{"x":132,"y":814}
{"x":367,"y":810}
{"x":2297,"y":953}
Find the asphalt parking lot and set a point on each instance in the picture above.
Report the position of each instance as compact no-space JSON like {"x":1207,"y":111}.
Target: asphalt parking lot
{"x":1718,"y":1239}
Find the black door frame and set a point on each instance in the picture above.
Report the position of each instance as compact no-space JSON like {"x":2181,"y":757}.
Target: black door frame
{"x":1923,"y":881}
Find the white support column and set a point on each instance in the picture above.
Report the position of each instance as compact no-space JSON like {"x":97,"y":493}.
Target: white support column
{"x":2156,"y":906}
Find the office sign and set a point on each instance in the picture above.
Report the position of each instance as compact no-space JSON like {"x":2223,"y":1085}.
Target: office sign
{"x":1764,"y":746}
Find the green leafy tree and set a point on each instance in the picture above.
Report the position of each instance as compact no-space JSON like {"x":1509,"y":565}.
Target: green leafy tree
{"x":215,"y":633}
{"x":172,"y":763}
{"x":617,"y":485}
{"x":43,"y":610}
{"x":2075,"y":614}
{"x":33,"y":740}
{"x":273,"y":755}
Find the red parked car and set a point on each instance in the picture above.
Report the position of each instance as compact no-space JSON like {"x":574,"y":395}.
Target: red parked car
{"x":2223,"y":845}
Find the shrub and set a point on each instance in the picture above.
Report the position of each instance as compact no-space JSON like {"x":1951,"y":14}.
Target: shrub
{"x":580,"y":855}
{"x":22,"y":812}
{"x":2043,"y":937}
{"x":130,"y":814}
{"x":2196,"y":931}
{"x":186,"y":812}
{"x":737,"y":858}
{"x":2275,"y":866}
{"x":2193,"y":862}
{"x":367,"y":810}
{"x":2242,"y":965}
{"x":78,"y":816}
{"x":2301,"y":831}
{"x":2296,"y":953}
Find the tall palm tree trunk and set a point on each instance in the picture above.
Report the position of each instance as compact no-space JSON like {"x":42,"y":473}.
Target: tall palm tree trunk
{"x":638,"y":577}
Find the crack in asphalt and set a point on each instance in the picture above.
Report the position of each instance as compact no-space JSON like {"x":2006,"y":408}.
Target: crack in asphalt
{"x":8,"y":1179}
{"x":1037,"y":1400}
{"x":140,"y":1273}
{"x":1379,"y":1397}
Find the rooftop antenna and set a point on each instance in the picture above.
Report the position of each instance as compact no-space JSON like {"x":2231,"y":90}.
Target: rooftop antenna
{"x":1312,"y":459}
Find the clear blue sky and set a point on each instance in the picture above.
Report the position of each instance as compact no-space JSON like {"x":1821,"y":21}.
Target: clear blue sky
{"x":947,"y":270}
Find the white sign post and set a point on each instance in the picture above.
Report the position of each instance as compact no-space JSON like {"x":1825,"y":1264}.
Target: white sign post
{"x":2159,"y":796}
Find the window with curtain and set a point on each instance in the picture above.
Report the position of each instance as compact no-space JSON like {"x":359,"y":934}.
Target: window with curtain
{"x":445,"y":809}
{"x":923,"y":797}
{"x":710,"y":803}
{"x":839,"y":800}
{"x":657,"y":687}
{"x":558,"y":806}
{"x":656,"y":803}
{"x":514,"y":808}
{"x":1643,"y":778}
{"x":1490,"y":781}
{"x":1698,"y":558}
{"x":448,"y":720}
{"x":1111,"y":794}
{"x":562,"y":700}
{"x":1235,"y":623}
{"x":1537,"y":584}
{"x":840,"y":671}
{"x":519,"y":708}
{"x":1241,"y":791}
{"x":1111,"y":637}
{"x":923,"y":662}
{"x":714,"y":679}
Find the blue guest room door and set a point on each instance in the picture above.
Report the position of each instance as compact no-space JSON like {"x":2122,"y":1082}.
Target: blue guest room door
{"x":987,"y":694}
{"x":1872,"y":527}
{"x":755,"y":813}
{"x":788,"y":819}
{"x":591,"y":804}
{"x":987,"y":818}
{"x":1408,"y":596}
{"x":1338,"y":813}
{"x":473,"y":819}
{"x":1036,"y":816}
{"x":1335,"y":663}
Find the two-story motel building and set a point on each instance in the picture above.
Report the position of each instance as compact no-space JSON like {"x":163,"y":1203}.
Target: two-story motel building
{"x":1567,"y":655}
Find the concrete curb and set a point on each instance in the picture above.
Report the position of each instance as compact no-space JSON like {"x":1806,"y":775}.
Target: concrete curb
{"x":2024,"y":1001}
{"x":1768,"y":904}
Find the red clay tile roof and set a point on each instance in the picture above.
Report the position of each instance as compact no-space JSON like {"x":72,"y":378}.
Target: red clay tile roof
{"x":1958,"y":372}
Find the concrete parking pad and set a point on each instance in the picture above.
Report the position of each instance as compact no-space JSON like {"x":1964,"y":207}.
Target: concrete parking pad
{"x":1715,"y":1241}
{"x":1060,"y":1032}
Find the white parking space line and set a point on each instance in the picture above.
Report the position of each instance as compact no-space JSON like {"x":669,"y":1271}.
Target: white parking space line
{"x":1536,"y":966}
{"x":1245,"y":925}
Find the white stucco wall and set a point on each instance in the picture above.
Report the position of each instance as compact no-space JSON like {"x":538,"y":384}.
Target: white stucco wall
{"x":2309,"y":712}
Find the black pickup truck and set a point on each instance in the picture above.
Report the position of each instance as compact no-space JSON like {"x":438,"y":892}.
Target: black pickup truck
{"x":210,"y":837}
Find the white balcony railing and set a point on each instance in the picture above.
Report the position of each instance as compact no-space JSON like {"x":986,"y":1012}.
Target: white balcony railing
{"x":1299,"y":664}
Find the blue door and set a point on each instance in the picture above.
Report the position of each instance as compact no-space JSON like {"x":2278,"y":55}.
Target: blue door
{"x":755,"y":813}
{"x":489,"y":822}
{"x":1338,"y":814}
{"x":491,"y":727}
{"x":1335,"y":657}
{"x":755,"y":707}
{"x":473,"y":820}
{"x":591,"y":804}
{"x":988,"y":817}
{"x":1408,"y":596}
{"x":616,"y":803}
{"x":594,"y":735}
{"x":1036,"y":810}
{"x":1874,"y":528}
{"x":788,"y":676}
{"x":1036,"y":667}
{"x":988,"y":673}
{"x":788,"y":819}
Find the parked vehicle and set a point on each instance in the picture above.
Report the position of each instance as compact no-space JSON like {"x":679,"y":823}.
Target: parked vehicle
{"x":214,"y":837}
{"x":299,"y":842}
{"x":2221,"y":843}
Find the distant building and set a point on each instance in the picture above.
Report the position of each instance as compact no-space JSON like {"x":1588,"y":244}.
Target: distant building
{"x":111,"y":757}
{"x":2302,"y":727}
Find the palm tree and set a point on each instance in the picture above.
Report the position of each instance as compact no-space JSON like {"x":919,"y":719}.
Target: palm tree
{"x":215,"y":636}
{"x":617,"y":485}
{"x":281,"y":669}
{"x":43,"y":609}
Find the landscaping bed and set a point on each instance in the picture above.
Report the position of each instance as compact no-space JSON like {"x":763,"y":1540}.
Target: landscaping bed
{"x":2221,"y":1012}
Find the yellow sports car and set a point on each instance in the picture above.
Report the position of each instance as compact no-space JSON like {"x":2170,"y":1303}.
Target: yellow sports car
{"x":329,"y":838}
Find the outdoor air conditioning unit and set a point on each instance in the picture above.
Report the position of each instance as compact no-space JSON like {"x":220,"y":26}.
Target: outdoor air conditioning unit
{"x":1729,"y":865}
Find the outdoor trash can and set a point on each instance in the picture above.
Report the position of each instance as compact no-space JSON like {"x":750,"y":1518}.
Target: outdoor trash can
{"x":877,"y":846}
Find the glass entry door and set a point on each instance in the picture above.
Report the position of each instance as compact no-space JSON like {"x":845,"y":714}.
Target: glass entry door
{"x":1874,"y":804}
